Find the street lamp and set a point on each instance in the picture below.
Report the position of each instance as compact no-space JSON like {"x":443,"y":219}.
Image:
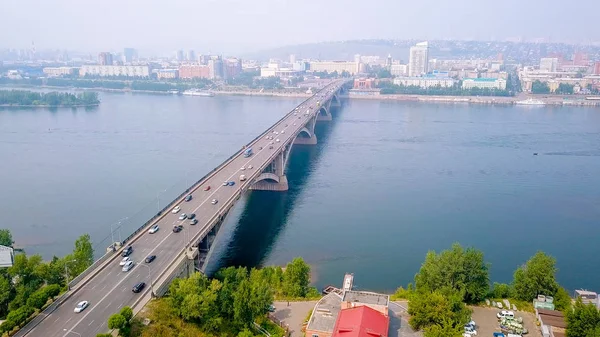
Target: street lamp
{"x":150,"y":277}
{"x":71,"y":331}
{"x":112,"y":231}
{"x":67,"y":272}
{"x":158,"y":199}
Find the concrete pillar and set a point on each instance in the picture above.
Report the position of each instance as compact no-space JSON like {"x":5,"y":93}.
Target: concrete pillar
{"x":306,"y":140}
{"x":324,"y":118}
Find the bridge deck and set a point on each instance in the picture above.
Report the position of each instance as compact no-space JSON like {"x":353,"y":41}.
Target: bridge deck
{"x":110,"y":289}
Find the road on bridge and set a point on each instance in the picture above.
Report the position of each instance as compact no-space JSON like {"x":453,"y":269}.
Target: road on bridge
{"x":111,"y":288}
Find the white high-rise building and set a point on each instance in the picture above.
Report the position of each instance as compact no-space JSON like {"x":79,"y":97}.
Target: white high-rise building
{"x":549,"y":64}
{"x":419,"y":59}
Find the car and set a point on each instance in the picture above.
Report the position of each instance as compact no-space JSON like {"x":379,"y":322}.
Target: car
{"x":207,"y":188}
{"x":267,"y":137}
{"x":472,"y":324}
{"x":176,"y":210}
{"x":81,"y":306}
{"x":214,"y":201}
{"x":191,"y":216}
{"x":294,"y":124}
{"x":471,"y":331}
{"x":271,"y":147}
{"x":138,"y":287}
{"x":295,"y":114}
{"x":150,"y":258}
{"x":282,"y":131}
{"x":271,"y":308}
{"x":153,"y":229}
{"x":286,"y":125}
{"x":125,"y":260}
{"x":260,"y":148}
{"x":127,"y":251}
{"x":505,"y":314}
{"x":243,"y":168}
{"x":183,"y":216}
{"x":272,"y":143}
{"x":231,"y":183}
{"x":127,"y":266}
{"x":276,"y":132}
{"x":249,"y":167}
{"x":225,"y":183}
{"x":299,"y":117}
{"x":193,"y":221}
{"x":188,"y":197}
{"x":177,"y":228}
{"x":277,"y":140}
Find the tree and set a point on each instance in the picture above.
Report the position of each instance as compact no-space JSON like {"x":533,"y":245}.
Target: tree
{"x":439,"y":307}
{"x":501,"y":290}
{"x":103,"y":335}
{"x":564,"y":88}
{"x":537,"y":276}
{"x":296,"y":278}
{"x":538,"y":87}
{"x":116,"y":321}
{"x":127,"y":313}
{"x":6,"y":238}
{"x":446,"y":329}
{"x":583,"y":320}
{"x":83,"y":254}
{"x":245,"y":333}
{"x":6,"y":294}
{"x":562,"y":300}
{"x":462,"y":270}
{"x":242,"y":313}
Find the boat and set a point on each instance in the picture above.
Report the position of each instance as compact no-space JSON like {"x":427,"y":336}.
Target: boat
{"x":174,"y":92}
{"x":196,"y":92}
{"x":531,"y":101}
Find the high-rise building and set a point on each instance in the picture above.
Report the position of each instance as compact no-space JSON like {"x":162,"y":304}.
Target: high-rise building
{"x":388,"y":61}
{"x":419,"y":59}
{"x":191,"y":56}
{"x":129,"y":55}
{"x":292,"y":59}
{"x":597,"y":68}
{"x":549,"y":64}
{"x":105,"y":59}
{"x":179,"y":55}
{"x":215,"y":65}
{"x":232,"y":67}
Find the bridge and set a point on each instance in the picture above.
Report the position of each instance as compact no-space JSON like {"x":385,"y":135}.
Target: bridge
{"x":178,"y":254}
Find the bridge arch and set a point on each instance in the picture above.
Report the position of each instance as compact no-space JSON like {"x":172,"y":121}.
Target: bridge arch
{"x":304,"y":133}
{"x":267,"y":176}
{"x":323,"y":111}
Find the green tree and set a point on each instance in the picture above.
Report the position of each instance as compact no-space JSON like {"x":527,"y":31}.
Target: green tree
{"x":127,"y":313}
{"x":245,"y":333}
{"x":116,"y":321}
{"x":459,"y":269}
{"x":6,"y":238}
{"x":83,"y":254}
{"x":537,"y":276}
{"x":439,"y":307}
{"x":564,"y":88}
{"x":296,"y":278}
{"x":6,"y":294}
{"x":103,"y":335}
{"x":242,"y":313}
{"x":562,"y":300}
{"x":538,"y":87}
{"x":583,"y":320}
{"x":501,"y":290}
{"x":261,"y":294}
{"x":446,"y":329}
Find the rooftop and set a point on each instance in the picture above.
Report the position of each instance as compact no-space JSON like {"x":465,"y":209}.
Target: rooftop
{"x":6,"y":257}
{"x":366,"y":297}
{"x":361,"y":322}
{"x":325,"y":313}
{"x":552,"y":318}
{"x":483,"y":79}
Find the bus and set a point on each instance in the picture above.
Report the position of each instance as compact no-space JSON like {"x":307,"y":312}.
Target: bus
{"x":248,"y":152}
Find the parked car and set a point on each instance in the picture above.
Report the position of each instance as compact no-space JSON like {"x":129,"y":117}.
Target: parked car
{"x":505,"y":314}
{"x":470,"y":330}
{"x":81,"y":306}
{"x":150,"y":258}
{"x":138,"y":287}
{"x":183,"y":216}
{"x":188,"y":197}
{"x":127,"y":266}
{"x":124,"y":261}
{"x":191,"y":216}
{"x":127,"y":251}
{"x":176,"y":210}
{"x":214,"y":201}
{"x":153,"y":229}
{"x":193,"y":222}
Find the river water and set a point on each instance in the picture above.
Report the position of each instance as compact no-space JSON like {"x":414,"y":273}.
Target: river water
{"x":387,"y":182}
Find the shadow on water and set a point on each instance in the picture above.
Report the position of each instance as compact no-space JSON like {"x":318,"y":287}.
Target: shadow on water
{"x":265,"y":213}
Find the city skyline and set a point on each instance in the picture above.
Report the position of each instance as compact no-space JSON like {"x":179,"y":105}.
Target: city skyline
{"x":247,"y":27}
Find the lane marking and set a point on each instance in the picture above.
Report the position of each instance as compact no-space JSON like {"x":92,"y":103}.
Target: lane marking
{"x":92,"y":322}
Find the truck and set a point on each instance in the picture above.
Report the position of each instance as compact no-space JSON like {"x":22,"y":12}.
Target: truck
{"x":248,"y":152}
{"x":242,"y":177}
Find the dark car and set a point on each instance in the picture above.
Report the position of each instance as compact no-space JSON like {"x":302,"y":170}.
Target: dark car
{"x":191,"y":216}
{"x":177,"y":228}
{"x":150,"y":258}
{"x":127,"y":251}
{"x":188,"y":197}
{"x":138,"y":287}
{"x":231,"y":183}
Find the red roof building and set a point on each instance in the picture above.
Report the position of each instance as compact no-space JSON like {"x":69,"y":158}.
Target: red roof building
{"x":361,"y":321}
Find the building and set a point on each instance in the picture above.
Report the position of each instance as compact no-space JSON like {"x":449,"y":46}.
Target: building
{"x":552,"y":322}
{"x":419,"y":59}
{"x":58,"y":71}
{"x":232,"y":67}
{"x":191,"y":56}
{"x":364,"y":83}
{"x":215,"y":66}
{"x":388,"y":61}
{"x":375,"y":301}
{"x":106,"y":71}
{"x":588,"y":297}
{"x":331,"y":66}
{"x":179,"y":56}
{"x":167,"y":74}
{"x":129,"y":55}
{"x":490,"y":83}
{"x":189,"y":71}
{"x":424,"y":82}
{"x":597,"y":68}
{"x":105,"y":59}
{"x":549,"y":64}
{"x":292,"y":59}
{"x":361,"y":321}
{"x":399,"y":69}
{"x":7,"y":257}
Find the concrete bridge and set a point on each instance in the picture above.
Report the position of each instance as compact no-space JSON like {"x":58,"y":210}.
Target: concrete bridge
{"x":107,"y":288}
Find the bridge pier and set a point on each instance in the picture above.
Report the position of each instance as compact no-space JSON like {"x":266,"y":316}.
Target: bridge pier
{"x":306,"y":140}
{"x":276,"y":186}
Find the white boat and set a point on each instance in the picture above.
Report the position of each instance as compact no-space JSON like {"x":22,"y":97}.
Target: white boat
{"x":531,"y":101}
{"x":196,"y":92}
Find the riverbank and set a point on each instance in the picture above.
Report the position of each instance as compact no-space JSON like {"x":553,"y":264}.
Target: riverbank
{"x":33,"y":106}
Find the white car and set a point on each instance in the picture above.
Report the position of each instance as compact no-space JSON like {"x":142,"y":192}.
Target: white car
{"x":183,"y":216}
{"x":214,"y":201}
{"x":243,"y":168}
{"x":505,"y":314}
{"x":225,"y":183}
{"x":282,"y":131}
{"x":469,"y":330}
{"x":81,"y":306}
{"x":294,"y":124}
{"x":277,"y":140}
{"x":249,"y":167}
{"x":124,"y":261}
{"x":127,"y":267}
{"x":153,"y":230}
{"x":176,"y":210}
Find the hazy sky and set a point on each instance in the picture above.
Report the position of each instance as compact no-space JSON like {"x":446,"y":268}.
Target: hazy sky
{"x":232,"y":26}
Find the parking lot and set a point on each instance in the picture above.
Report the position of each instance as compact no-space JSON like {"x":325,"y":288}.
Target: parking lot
{"x":487,"y":322}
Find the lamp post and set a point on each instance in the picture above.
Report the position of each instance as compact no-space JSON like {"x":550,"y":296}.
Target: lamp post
{"x":71,"y":331}
{"x":158,"y":199}
{"x":150,"y":277}
{"x":112,"y":237}
{"x":67,"y":272}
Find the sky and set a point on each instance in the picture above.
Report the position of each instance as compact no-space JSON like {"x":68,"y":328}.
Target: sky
{"x":238,"y":26}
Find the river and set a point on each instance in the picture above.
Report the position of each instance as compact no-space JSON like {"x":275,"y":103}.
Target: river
{"x":387,"y":182}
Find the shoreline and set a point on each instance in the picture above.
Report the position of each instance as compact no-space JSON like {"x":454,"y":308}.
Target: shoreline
{"x":549,"y":100}
{"x":17,"y":106}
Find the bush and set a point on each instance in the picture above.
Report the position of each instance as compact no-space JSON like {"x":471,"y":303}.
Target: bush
{"x":52,"y":290}
{"x":7,"y":326}
{"x":501,"y":290}
{"x":16,"y":318}
{"x":37,"y":299}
